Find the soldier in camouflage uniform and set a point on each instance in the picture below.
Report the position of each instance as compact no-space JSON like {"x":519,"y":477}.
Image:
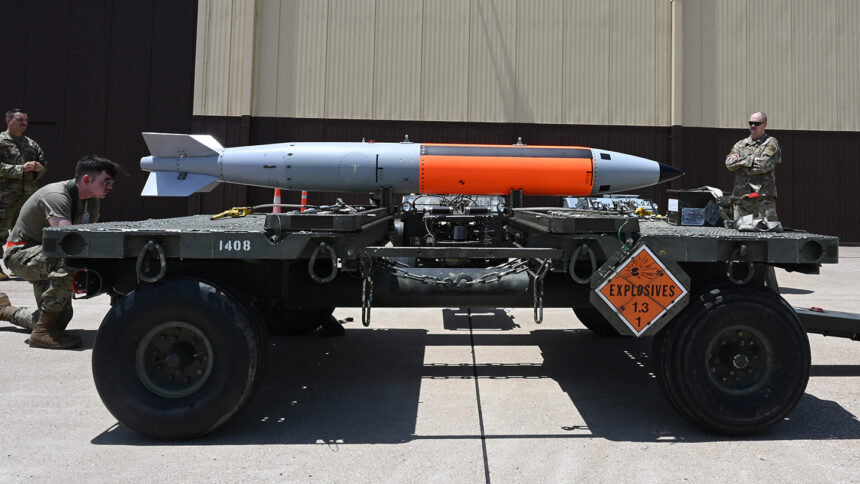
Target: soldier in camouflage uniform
{"x":754,"y":160}
{"x":57,"y":204}
{"x":22,"y":163}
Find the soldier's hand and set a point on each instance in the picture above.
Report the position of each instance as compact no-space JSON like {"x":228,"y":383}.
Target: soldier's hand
{"x":34,"y":166}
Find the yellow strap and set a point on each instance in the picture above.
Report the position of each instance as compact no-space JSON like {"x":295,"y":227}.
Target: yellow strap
{"x":234,"y":212}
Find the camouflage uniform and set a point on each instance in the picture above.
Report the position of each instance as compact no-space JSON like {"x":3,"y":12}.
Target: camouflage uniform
{"x":15,"y":184}
{"x":754,"y":162}
{"x":52,"y":281}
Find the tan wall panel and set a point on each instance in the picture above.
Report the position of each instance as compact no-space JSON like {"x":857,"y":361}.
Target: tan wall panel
{"x":539,"y":70}
{"x":693,"y":79}
{"x":537,"y":61}
{"x":445,"y":60}
{"x":350,"y":59}
{"x":662,"y":115}
{"x":769,"y":80}
{"x":632,"y":69}
{"x":241,"y":68}
{"x":226,"y":48}
{"x":731,"y":60}
{"x":303,"y":59}
{"x":266,"y":44}
{"x":848,"y":65}
{"x":492,"y":67}
{"x":794,"y":59}
{"x":814,"y":60}
{"x":585,"y":98}
{"x":200,"y":58}
{"x":397,"y":72}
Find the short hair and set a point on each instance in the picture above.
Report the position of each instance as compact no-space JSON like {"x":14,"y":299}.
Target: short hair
{"x":763,"y":116}
{"x":12,"y":112}
{"x":94,"y":164}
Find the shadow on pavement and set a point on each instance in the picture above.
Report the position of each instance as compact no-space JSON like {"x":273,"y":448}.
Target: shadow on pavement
{"x":365,"y":388}
{"x":88,"y":336}
{"x":477,"y":319}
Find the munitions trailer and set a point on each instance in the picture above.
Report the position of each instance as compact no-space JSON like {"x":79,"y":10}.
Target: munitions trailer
{"x":183,"y":346}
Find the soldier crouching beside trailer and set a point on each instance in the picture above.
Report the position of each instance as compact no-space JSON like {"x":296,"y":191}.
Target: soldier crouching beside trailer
{"x":57,"y":204}
{"x":753,"y":161}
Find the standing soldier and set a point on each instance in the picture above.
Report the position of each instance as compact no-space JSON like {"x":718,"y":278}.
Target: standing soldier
{"x":753,"y":160}
{"x":22,"y":163}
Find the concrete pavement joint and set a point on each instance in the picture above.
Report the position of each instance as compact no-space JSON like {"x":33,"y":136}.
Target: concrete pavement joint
{"x":478,"y":398}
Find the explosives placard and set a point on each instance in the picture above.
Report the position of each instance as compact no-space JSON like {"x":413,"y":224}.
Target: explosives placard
{"x":641,"y":289}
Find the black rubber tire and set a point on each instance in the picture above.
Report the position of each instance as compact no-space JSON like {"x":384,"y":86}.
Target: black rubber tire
{"x":186,"y":325}
{"x":593,"y":320}
{"x":735,"y":361}
{"x":284,"y":321}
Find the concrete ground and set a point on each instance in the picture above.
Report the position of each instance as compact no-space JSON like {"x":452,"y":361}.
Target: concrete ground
{"x":439,"y":395}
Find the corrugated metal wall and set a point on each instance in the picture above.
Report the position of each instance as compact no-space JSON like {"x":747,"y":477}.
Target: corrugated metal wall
{"x":93,"y":75}
{"x":536,"y":61}
{"x":794,"y":59}
{"x":602,"y":62}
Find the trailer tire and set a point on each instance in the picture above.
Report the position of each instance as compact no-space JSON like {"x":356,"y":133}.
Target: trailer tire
{"x":735,"y":361}
{"x":594,"y":321}
{"x":177,"y":359}
{"x":283,"y":321}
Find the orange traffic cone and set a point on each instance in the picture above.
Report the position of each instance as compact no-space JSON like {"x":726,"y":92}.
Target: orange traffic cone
{"x":277,"y":200}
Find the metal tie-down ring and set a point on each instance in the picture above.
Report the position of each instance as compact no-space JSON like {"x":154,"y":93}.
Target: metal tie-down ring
{"x":332,"y":256}
{"x":740,"y":253}
{"x":151,"y":246}
{"x":573,"y":257}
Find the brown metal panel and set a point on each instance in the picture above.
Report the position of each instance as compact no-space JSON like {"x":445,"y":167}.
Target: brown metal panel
{"x":42,"y":73}
{"x":47,"y":53}
{"x":16,"y":15}
{"x":87,"y":82}
{"x":847,"y":195}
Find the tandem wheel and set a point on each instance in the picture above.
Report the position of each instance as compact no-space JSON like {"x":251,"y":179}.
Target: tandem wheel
{"x":735,"y":361}
{"x":178,"y":359}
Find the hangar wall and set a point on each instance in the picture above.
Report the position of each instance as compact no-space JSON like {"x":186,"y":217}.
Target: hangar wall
{"x":603,"y":62}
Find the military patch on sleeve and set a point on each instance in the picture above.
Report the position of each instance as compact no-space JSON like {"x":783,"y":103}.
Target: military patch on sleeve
{"x":770,"y":150}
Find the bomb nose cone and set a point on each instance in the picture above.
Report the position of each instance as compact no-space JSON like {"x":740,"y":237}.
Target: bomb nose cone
{"x":669,"y":173}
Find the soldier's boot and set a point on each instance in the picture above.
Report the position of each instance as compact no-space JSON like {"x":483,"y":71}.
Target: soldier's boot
{"x":21,"y":317}
{"x":3,"y":275}
{"x":49,"y":333}
{"x":7,"y":310}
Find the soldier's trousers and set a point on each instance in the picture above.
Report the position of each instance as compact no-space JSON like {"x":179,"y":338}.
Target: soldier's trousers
{"x":760,"y":207}
{"x":52,"y":283}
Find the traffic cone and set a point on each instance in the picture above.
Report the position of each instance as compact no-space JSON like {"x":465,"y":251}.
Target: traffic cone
{"x":304,"y":200}
{"x":277,"y":200}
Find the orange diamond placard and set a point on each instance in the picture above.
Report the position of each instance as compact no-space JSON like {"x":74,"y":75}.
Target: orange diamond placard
{"x":641,"y":290}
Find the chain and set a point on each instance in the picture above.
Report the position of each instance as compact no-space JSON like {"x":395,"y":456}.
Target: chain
{"x":538,"y":278}
{"x":461,"y":281}
{"x":366,"y":268}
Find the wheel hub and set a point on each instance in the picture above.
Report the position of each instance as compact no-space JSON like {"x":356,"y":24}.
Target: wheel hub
{"x":740,"y":360}
{"x":174,"y":359}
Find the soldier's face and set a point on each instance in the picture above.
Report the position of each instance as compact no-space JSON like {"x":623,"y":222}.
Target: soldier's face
{"x":99,"y":185}
{"x":757,"y":126}
{"x":17,"y":124}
